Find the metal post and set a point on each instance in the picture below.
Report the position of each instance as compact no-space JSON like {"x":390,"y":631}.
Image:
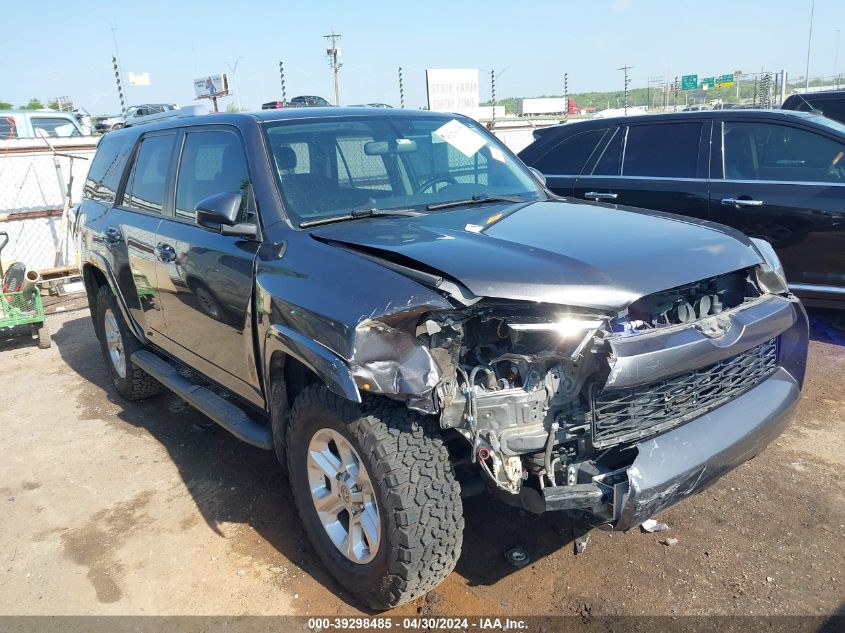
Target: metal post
{"x":493,"y":90}
{"x":809,"y":41}
{"x":401,"y":90}
{"x":282,"y":79}
{"x":119,"y":86}
{"x":566,"y":96}
{"x":783,"y":86}
{"x":625,"y":69}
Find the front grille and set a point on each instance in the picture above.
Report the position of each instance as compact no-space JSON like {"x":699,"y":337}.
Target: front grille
{"x":621,"y":415}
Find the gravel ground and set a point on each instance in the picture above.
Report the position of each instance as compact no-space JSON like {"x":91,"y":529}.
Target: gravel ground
{"x":110,"y":507}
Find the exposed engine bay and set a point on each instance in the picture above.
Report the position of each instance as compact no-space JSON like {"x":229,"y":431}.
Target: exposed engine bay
{"x":521,"y":384}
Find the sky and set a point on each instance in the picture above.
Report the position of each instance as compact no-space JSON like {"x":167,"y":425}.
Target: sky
{"x":66,"y":49}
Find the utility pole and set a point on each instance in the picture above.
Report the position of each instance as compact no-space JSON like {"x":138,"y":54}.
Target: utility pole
{"x":332,"y":52}
{"x":119,"y":86}
{"x":401,"y":90}
{"x":625,"y":69}
{"x":566,"y":96}
{"x":282,"y":79}
{"x":809,"y":41}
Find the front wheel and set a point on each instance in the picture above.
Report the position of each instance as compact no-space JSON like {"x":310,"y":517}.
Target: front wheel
{"x":376,"y":493}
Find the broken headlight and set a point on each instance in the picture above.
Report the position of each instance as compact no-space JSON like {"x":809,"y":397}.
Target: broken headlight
{"x":770,"y":274}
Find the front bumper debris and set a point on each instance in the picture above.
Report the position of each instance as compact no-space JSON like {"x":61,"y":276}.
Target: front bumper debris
{"x":688,"y":458}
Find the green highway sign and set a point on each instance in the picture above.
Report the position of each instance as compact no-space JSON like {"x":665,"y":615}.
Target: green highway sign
{"x":689,"y":82}
{"x":707,"y":83}
{"x":725,"y":81}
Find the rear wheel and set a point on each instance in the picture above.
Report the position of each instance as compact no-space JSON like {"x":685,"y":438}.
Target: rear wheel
{"x":118,"y":344}
{"x":376,"y":493}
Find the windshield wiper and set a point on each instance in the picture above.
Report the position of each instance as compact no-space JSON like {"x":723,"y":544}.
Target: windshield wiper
{"x":479,"y":198}
{"x":365,"y":212}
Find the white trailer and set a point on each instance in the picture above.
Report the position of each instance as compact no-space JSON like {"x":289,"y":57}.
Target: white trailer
{"x":542,"y":106}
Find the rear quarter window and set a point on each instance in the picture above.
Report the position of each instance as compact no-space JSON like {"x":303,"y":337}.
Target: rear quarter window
{"x":107,"y":167}
{"x":570,"y":155}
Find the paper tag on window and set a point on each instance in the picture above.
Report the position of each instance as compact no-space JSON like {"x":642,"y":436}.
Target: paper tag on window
{"x":462,"y":138}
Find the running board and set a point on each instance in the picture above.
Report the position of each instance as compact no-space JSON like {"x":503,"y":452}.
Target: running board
{"x":218,"y":409}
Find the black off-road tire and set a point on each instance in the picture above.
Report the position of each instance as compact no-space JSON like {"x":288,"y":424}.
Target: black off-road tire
{"x":137,"y":384}
{"x":418,"y":496}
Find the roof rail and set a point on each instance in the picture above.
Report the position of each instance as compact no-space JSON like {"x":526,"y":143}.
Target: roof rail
{"x":184,"y":111}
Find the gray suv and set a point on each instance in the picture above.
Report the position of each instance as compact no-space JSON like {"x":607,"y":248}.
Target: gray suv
{"x":394,"y":303}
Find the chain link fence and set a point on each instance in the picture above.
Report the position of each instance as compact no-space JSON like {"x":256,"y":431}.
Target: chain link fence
{"x":32,"y":197}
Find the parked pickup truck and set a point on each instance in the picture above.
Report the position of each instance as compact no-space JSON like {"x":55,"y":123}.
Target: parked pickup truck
{"x":399,"y":308}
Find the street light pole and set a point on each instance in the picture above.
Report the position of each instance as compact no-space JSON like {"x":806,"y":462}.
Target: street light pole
{"x":809,"y":41}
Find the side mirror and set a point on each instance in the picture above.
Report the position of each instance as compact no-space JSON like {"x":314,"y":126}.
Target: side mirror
{"x":538,"y":175}
{"x":220,"y":213}
{"x":221,"y":208}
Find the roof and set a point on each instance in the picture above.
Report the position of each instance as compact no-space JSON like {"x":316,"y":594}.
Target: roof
{"x":728,"y":113}
{"x":819,"y":93}
{"x":265,"y":116}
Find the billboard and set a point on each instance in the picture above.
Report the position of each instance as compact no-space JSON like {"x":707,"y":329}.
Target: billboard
{"x":139,"y":79}
{"x":211,"y":86}
{"x":452,"y":89}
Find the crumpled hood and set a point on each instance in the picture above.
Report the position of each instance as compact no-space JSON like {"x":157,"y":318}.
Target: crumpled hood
{"x":568,"y":253}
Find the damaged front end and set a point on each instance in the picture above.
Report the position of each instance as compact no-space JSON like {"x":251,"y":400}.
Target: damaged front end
{"x":609,"y":416}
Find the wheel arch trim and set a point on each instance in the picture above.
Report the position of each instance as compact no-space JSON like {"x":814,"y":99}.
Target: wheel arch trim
{"x":98,"y":262}
{"x":328,"y":366}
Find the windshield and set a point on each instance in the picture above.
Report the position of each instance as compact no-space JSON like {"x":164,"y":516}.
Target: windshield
{"x":326,"y":167}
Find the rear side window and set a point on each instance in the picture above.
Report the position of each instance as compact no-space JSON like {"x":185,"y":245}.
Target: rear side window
{"x":832,"y":108}
{"x":55,"y":126}
{"x":103,"y":177}
{"x":145,"y":189}
{"x":212,"y":162}
{"x":668,"y":150}
{"x":769,"y":151}
{"x":570,"y":155}
{"x":611,"y":158}
{"x":8,"y":127}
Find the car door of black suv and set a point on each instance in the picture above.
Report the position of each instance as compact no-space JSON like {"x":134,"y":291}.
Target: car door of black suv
{"x":661,"y":165}
{"x":785,"y":183}
{"x":205,"y":279}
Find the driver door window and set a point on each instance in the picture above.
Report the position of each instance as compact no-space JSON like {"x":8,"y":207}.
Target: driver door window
{"x":212,"y":162}
{"x":772,"y":152}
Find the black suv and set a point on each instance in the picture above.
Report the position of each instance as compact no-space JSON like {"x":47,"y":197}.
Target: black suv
{"x":830,"y":103}
{"x":395,"y":304}
{"x":774,"y":175}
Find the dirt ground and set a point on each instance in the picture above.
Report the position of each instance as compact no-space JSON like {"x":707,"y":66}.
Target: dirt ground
{"x":110,"y":507}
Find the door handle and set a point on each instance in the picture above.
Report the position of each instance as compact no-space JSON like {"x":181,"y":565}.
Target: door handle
{"x":598,"y":195}
{"x":112,"y":235}
{"x":737,"y":202}
{"x":165,"y":253}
